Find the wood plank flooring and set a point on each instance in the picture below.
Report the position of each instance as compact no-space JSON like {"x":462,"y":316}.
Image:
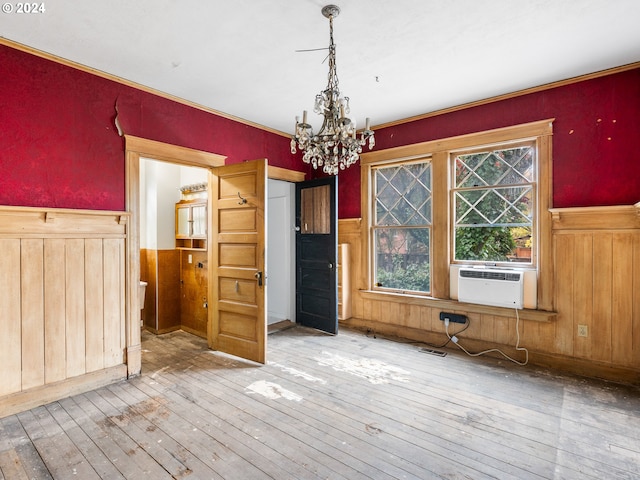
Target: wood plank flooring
{"x":349,"y":406}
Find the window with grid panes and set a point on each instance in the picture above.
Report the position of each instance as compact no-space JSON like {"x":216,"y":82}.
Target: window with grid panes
{"x":402,"y":227}
{"x":494,"y":204}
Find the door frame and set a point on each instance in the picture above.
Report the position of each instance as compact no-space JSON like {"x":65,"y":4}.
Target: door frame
{"x":135,"y":148}
{"x":280,"y":251}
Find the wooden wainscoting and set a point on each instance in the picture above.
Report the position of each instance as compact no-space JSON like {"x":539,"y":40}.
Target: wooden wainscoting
{"x":168,"y":293}
{"x":177,"y":291}
{"x":62,"y":314}
{"x":194,"y":292}
{"x":161,"y":270}
{"x":596,"y":254}
{"x":597,"y":258}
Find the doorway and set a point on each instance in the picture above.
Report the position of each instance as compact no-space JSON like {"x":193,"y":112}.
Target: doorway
{"x":135,"y":149}
{"x":176,"y":291}
{"x":281,"y":252}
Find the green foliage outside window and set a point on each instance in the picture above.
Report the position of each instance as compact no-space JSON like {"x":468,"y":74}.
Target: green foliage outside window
{"x":486,"y":244}
{"x":402,"y":260}
{"x":414,"y":276}
{"x":402,"y":227}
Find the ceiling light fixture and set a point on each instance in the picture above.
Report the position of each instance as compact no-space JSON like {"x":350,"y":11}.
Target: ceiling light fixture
{"x":336,"y":146}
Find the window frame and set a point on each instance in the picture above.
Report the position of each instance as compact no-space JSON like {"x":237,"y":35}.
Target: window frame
{"x":533,"y":263}
{"x":374,"y":228}
{"x":540,"y":132}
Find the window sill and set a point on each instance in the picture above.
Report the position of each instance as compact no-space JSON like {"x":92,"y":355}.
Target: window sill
{"x":524,"y":314}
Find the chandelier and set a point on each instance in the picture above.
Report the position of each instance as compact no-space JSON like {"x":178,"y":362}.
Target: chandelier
{"x":337,"y":145}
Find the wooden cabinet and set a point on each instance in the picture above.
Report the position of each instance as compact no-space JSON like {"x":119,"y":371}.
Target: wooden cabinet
{"x":191,"y":224}
{"x":194,"y":282}
{"x":344,"y":283}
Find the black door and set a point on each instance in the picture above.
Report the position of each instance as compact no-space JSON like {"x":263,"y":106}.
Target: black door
{"x":316,"y":254}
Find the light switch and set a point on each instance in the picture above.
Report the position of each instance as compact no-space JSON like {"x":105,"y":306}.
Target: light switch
{"x":190,"y":258}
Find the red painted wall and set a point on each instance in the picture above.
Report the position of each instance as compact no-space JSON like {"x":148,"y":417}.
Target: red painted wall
{"x":596,"y":159}
{"x":59,"y":146}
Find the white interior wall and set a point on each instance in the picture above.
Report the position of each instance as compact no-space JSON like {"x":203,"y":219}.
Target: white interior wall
{"x":160,"y":184}
{"x":149,"y":213}
{"x":160,"y":192}
{"x":168,"y":194}
{"x":192,"y":175}
{"x":281,"y":252}
{"x":143,"y":204}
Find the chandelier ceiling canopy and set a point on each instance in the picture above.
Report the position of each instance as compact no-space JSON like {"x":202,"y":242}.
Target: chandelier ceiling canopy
{"x":337,"y":144}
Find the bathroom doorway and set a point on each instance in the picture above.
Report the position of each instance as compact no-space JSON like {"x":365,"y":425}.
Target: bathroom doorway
{"x":176,"y":273}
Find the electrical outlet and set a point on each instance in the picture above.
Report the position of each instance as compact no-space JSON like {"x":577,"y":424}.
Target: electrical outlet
{"x":453,"y":317}
{"x":583,"y":331}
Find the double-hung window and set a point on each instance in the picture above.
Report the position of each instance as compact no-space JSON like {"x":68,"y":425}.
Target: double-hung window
{"x":494,"y":201}
{"x":402,"y":226}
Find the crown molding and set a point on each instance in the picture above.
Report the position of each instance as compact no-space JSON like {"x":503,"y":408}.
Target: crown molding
{"x":518,"y":93}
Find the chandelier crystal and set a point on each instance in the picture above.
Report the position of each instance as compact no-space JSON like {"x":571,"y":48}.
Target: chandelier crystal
{"x":337,"y":144}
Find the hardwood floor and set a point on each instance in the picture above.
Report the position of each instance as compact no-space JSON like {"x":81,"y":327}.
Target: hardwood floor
{"x":349,"y":406}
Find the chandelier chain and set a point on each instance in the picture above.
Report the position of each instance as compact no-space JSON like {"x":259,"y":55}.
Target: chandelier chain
{"x":333,"y":69}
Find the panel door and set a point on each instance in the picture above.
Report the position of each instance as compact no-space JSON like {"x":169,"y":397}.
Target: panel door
{"x":237,"y":323}
{"x":316,"y":254}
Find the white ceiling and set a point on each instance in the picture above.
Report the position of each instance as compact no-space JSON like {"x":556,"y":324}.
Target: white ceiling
{"x":395,"y":59}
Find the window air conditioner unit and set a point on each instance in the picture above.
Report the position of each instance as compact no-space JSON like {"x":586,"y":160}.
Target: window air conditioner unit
{"x":491,"y":286}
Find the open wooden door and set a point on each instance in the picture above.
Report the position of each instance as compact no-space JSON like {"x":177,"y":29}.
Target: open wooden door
{"x":237,"y":308}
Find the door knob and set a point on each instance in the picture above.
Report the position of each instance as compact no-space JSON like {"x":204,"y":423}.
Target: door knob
{"x":258,"y":276}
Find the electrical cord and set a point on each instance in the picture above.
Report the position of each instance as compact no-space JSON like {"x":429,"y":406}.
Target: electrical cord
{"x":454,"y":339}
{"x":467,"y":323}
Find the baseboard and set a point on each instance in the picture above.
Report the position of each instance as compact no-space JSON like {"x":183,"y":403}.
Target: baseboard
{"x":559,"y":363}
{"x":193,"y":331}
{"x":586,"y":368}
{"x":35,"y":397}
{"x":279,"y":326}
{"x":162,"y":331}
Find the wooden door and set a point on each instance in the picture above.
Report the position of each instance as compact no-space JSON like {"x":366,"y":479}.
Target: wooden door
{"x":237,"y":307}
{"x":316,"y":254}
